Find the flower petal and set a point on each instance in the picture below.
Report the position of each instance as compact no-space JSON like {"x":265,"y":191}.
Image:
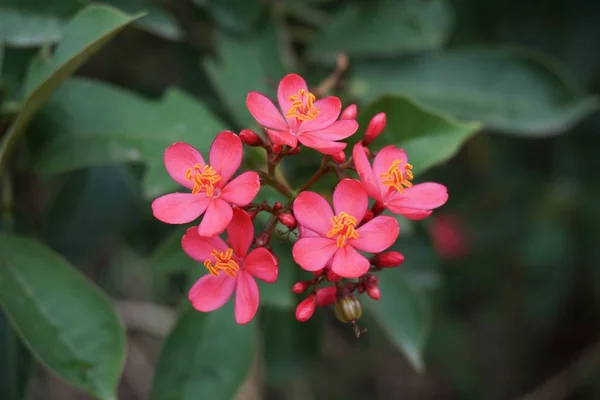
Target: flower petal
{"x":313,"y":212}
{"x":246,"y":298}
{"x":365,"y":172}
{"x":283,"y":137}
{"x":290,"y":85}
{"x":424,"y":196}
{"x":242,"y":190}
{"x":198,"y":247}
{"x":350,"y":197}
{"x":179,"y":208}
{"x":383,"y":160}
{"x":349,"y":263}
{"x":240,"y":232}
{"x":337,"y":131}
{"x":264,"y":111}
{"x":376,"y":235}
{"x":305,"y":232}
{"x":211,"y":292}
{"x":323,"y":146}
{"x":313,"y":253}
{"x":411,"y":213}
{"x":329,"y":110}
{"x":262,"y":264}
{"x":217,"y":217}
{"x":226,"y":155}
{"x":179,"y":157}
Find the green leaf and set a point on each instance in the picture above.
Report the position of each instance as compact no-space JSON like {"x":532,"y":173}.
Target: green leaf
{"x":206,"y":356}
{"x":428,"y":138}
{"x":507,"y":90}
{"x":89,"y":123}
{"x":403,"y":314}
{"x":66,"y":321}
{"x":383,"y":28}
{"x":235,"y":15}
{"x":28,"y":29}
{"x":261,"y":72}
{"x":89,"y":30}
{"x":279,"y":294}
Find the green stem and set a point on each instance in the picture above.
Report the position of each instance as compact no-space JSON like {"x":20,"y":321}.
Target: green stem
{"x":323,"y":170}
{"x":276,"y":184}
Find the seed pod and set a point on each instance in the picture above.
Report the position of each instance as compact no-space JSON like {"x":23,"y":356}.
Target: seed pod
{"x":349,"y":112}
{"x":250,"y":138}
{"x":348,"y":308}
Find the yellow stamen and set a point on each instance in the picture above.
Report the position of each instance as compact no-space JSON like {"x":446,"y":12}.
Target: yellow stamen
{"x":397,"y":179}
{"x":224,"y":263}
{"x":302,"y":106}
{"x":343,"y":226}
{"x":204,"y":178}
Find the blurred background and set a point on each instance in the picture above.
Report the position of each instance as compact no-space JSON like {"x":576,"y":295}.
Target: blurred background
{"x":499,"y":297}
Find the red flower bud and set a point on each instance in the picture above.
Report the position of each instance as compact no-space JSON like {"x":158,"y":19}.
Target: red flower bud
{"x":293,"y":151}
{"x":368,"y":216}
{"x":250,"y":138}
{"x":262,"y":239}
{"x":277,"y":206}
{"x":374,"y":292}
{"x":326,"y":296}
{"x":339,"y":157}
{"x":299,"y":287}
{"x":349,"y":112}
{"x":306,"y":308}
{"x":387,"y":260}
{"x":276,"y":148}
{"x":376,"y":126}
{"x":288,"y":220}
{"x":332,"y":276}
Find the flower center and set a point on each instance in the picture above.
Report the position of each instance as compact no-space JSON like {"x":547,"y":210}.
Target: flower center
{"x":396,"y":178}
{"x":302,"y":106}
{"x":204,"y":178}
{"x":224,"y":263}
{"x":343,"y":227}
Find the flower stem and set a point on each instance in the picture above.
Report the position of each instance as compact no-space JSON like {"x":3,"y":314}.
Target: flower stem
{"x":325,"y":168}
{"x":276,"y":184}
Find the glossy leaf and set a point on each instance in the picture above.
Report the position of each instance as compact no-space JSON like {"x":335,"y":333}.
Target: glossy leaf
{"x":428,"y":138}
{"x":383,"y":28}
{"x":90,"y":123}
{"x":89,"y":30}
{"x":27,"y":29}
{"x":207,"y":356}
{"x":507,"y":90}
{"x":67,"y":322}
{"x":279,"y":294}
{"x":403,"y":314}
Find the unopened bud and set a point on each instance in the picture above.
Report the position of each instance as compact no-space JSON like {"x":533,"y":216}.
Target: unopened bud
{"x":276,"y":148}
{"x":326,"y":296}
{"x":376,"y":126}
{"x":299,"y":287}
{"x":389,"y":259}
{"x":374,"y":292}
{"x":277,"y":206}
{"x":288,"y":220}
{"x":349,"y":112}
{"x":262,"y":239}
{"x":348,"y":308}
{"x":368,"y":216}
{"x":332,"y":276}
{"x":339,"y":157}
{"x":306,"y":308}
{"x":250,"y":138}
{"x":293,"y":151}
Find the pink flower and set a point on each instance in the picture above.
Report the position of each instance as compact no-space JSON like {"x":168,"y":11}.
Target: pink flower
{"x":305,"y":119}
{"x":211,"y":195}
{"x":338,"y":236}
{"x":230,"y":268}
{"x":389,"y":183}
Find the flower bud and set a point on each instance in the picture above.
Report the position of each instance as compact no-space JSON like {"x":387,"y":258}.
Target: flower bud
{"x":374,"y":292}
{"x":277,"y":206}
{"x":339,"y":157}
{"x":293,"y":151}
{"x":349,"y":112}
{"x":288,"y":220}
{"x":376,"y":126}
{"x":332,"y":276}
{"x":276,"y":148}
{"x":348,"y":308}
{"x":368,"y":216}
{"x":299,"y":287}
{"x":387,"y":260}
{"x":262,"y":239}
{"x":250,"y":138}
{"x":306,"y":308}
{"x":326,"y":296}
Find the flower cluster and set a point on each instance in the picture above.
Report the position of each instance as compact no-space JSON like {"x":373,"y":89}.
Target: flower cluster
{"x":343,"y":244}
